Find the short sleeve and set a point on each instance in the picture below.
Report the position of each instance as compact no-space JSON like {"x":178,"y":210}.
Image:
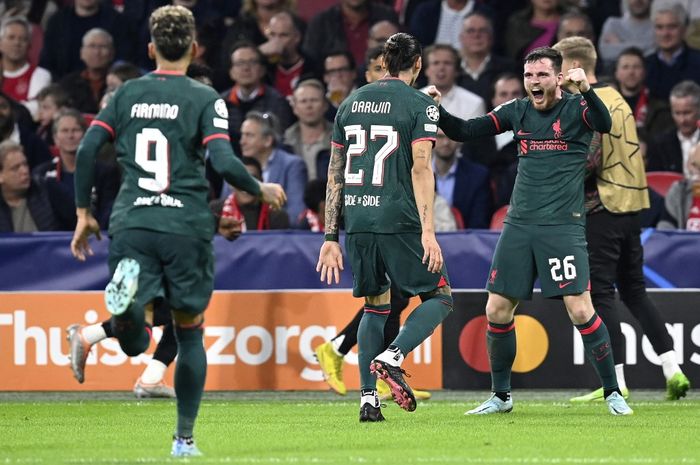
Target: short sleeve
{"x":338,"y":137}
{"x":214,"y":119}
{"x":107,"y":117}
{"x":502,"y":115}
{"x":426,"y":124}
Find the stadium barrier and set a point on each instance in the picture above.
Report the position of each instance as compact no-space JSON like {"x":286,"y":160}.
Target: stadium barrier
{"x":265,"y":340}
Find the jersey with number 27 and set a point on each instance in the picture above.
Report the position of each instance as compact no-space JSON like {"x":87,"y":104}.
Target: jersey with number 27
{"x":377,"y":126}
{"x":161,"y":124}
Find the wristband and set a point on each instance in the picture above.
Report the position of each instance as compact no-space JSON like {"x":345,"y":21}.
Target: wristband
{"x":331,"y":237}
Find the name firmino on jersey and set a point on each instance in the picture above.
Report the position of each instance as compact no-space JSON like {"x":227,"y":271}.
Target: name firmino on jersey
{"x":361,"y":106}
{"x":154,"y":111}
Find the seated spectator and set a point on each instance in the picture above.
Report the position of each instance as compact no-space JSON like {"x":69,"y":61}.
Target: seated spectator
{"x":673,"y":61}
{"x":344,"y":26}
{"x":283,"y":52}
{"x":66,"y":28}
{"x":259,"y":137}
{"x":57,"y":175}
{"x":532,"y":27}
{"x":339,"y":74}
{"x":251,"y":22}
{"x":85,"y":88}
{"x":313,"y":218}
{"x":440,"y":21}
{"x":652,"y":115}
{"x":24,"y":205}
{"x":22,"y":81}
{"x":377,"y":37}
{"x":634,"y":29}
{"x":682,"y":203}
{"x":462,"y":183}
{"x":310,"y":136}
{"x":250,"y":93}
{"x":119,"y":73}
{"x":480,"y":65}
{"x":670,"y":150}
{"x":241,"y":212}
{"x":575,"y":24}
{"x":51,"y":99}
{"x":35,"y":149}
{"x":201,"y":73}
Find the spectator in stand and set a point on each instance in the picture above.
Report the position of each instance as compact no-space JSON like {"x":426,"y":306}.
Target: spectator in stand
{"x":241,"y":211}
{"x":673,"y":61}
{"x":250,"y":93}
{"x":201,"y":73}
{"x":634,"y":29}
{"x":86,"y":87}
{"x":344,"y":27}
{"x":51,"y":99}
{"x":283,"y":52}
{"x":252,"y":21}
{"x":462,"y":183}
{"x":35,"y":150}
{"x":313,"y":218}
{"x":24,"y":206}
{"x":339,"y":74}
{"x":259,"y":137}
{"x":532,"y":27}
{"x":682,"y":203}
{"x":441,"y":21}
{"x":63,"y":40}
{"x":378,"y":35}
{"x":374,"y":64}
{"x":575,"y":24}
{"x":21,"y":80}
{"x":480,"y":65}
{"x":670,"y":150}
{"x":653,"y":115}
{"x":310,"y":136}
{"x":119,"y":73}
{"x":57,"y":175}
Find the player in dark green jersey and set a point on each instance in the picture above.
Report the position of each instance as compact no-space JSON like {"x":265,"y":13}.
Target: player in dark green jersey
{"x":161,"y":227}
{"x":381,"y":176}
{"x":544,"y":232}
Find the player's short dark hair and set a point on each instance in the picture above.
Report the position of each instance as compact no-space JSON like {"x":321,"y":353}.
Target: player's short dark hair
{"x":172,"y":31}
{"x":198,"y":70}
{"x":373,"y":53}
{"x":548,"y":53}
{"x":401,"y":52}
{"x":250,"y":161}
{"x":57,"y":93}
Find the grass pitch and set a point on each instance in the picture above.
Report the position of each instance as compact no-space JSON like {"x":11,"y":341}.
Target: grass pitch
{"x":321,"y":428}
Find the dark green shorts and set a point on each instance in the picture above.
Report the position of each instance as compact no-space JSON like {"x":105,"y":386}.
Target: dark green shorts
{"x":377,"y":260}
{"x":178,"y":268}
{"x":557,"y":254}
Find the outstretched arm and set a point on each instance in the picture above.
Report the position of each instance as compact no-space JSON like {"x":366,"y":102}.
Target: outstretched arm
{"x":330,"y":258}
{"x":424,"y":193}
{"x":464,"y":130}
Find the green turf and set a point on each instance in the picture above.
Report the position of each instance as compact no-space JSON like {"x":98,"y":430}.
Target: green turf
{"x":298,"y":428}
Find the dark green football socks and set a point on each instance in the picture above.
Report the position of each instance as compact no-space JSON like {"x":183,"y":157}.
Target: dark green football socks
{"x":190,"y":373}
{"x":370,"y":341}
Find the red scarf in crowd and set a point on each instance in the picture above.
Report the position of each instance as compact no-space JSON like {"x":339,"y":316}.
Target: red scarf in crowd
{"x":232,"y":210}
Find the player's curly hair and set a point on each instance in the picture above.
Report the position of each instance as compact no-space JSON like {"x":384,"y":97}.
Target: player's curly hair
{"x":548,"y":53}
{"x":172,"y":31}
{"x":400,"y":53}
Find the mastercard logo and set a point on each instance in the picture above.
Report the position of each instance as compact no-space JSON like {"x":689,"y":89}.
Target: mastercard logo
{"x":531,"y":349}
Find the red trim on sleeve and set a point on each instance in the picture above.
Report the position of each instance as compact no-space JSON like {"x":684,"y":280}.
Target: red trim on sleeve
{"x":104,"y":126}
{"x":169,"y":72}
{"x":596,"y":324}
{"x":494,"y":118}
{"x":207,"y":139}
{"x":431,"y":139}
{"x":493,"y":329}
{"x":585,"y":120}
{"x":335,"y":144}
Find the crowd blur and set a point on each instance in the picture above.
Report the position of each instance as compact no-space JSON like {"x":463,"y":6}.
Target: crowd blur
{"x":283,"y":67}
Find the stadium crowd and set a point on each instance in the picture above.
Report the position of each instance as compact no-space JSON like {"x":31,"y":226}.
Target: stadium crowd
{"x":283,"y":67}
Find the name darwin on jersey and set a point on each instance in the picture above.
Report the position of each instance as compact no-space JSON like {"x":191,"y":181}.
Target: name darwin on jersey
{"x":362,"y":106}
{"x":363,"y":200}
{"x":154,"y":110}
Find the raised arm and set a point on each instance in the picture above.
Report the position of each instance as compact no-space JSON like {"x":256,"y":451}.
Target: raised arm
{"x":424,"y":193}
{"x":596,"y":115}
{"x":464,"y":130}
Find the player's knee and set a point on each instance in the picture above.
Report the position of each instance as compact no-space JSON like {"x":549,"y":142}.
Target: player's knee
{"x":443,"y":294}
{"x":500,"y":309}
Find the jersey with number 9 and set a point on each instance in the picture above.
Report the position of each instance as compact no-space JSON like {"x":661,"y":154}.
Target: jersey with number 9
{"x":377,"y":126}
{"x":161,"y":124}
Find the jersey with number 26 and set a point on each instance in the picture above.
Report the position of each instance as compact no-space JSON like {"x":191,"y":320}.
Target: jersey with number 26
{"x":376,"y":126}
{"x":161,"y":123}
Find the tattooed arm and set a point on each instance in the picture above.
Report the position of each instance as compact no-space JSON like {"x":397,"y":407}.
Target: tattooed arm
{"x":424,"y":192}
{"x":330,"y":259}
